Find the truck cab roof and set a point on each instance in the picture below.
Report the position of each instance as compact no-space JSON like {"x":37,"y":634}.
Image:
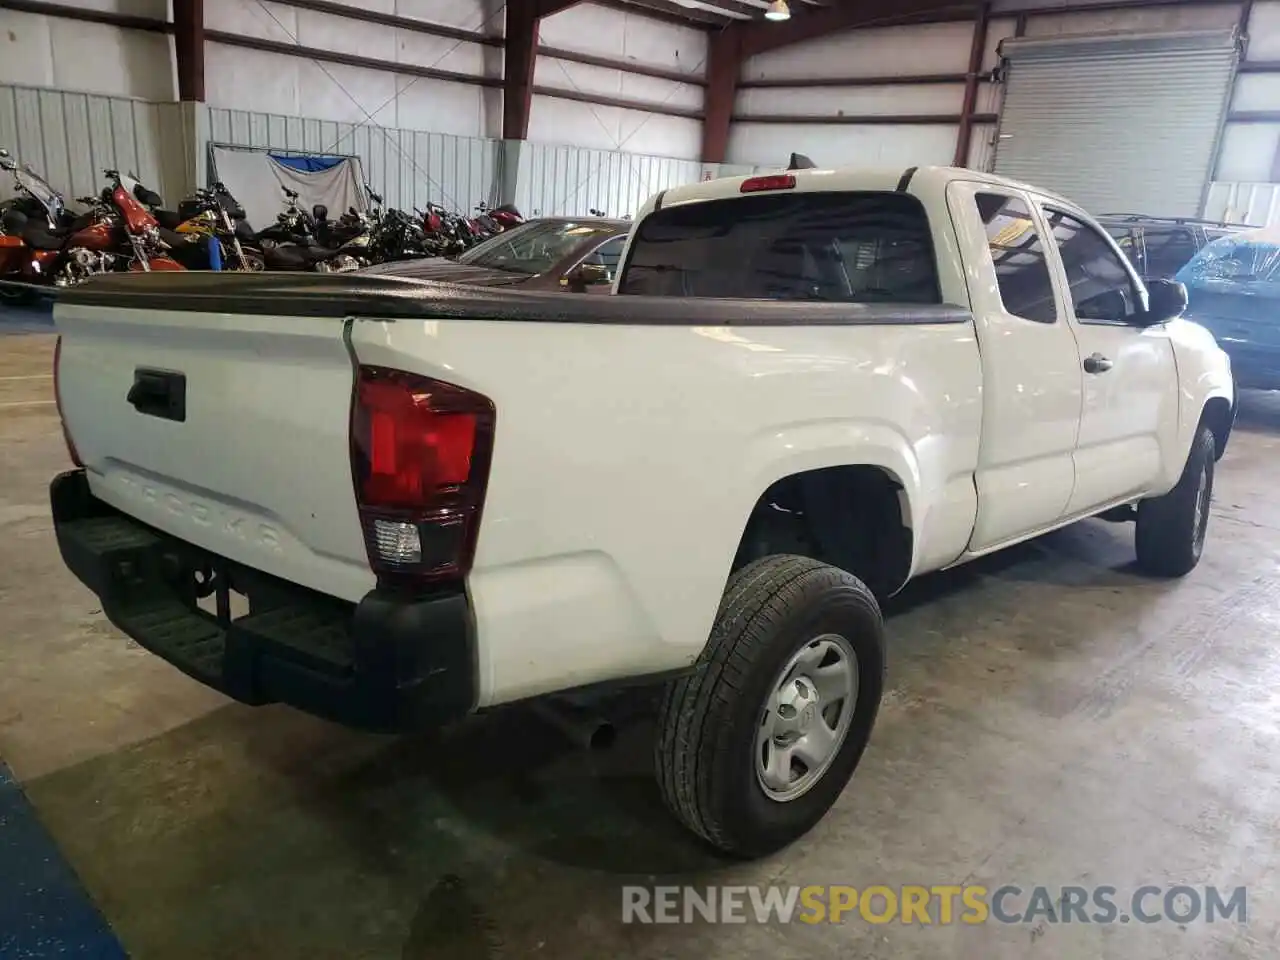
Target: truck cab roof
{"x":923,"y":180}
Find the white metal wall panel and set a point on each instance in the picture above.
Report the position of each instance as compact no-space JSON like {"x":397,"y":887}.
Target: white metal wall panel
{"x":570,"y":181}
{"x":619,"y":35}
{"x":1168,"y":17}
{"x":556,"y":120}
{"x":982,"y":147}
{"x":1257,"y":204}
{"x":59,"y":52}
{"x":923,"y":99}
{"x":1117,"y":123}
{"x":844,"y":145}
{"x":880,"y":52}
{"x":70,"y":138}
{"x":407,"y":167}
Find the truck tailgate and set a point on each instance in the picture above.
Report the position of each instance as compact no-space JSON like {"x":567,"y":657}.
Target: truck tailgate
{"x":228,"y":431}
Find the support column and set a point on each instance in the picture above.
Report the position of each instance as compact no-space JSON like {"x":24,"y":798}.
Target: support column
{"x":188,"y":46}
{"x":971,"y":83}
{"x":724,"y":65}
{"x":519,"y":56}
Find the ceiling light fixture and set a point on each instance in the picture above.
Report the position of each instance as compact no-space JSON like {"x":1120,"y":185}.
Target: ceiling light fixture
{"x":778,"y":10}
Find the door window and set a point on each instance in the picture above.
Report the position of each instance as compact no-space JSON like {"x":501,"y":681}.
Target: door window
{"x":1017,"y":254}
{"x":1102,"y":288}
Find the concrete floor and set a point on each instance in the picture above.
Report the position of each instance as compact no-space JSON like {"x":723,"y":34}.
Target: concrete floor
{"x":1053,"y":718}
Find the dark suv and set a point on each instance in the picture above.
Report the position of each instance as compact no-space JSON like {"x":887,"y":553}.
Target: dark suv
{"x":1161,"y":246}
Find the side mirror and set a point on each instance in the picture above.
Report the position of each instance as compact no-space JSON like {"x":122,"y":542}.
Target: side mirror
{"x":1166,"y":299}
{"x":585,"y":275}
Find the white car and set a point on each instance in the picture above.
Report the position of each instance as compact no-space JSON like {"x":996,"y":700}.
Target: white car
{"x":809,"y":388}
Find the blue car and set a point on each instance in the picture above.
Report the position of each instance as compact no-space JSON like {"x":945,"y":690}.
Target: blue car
{"x":1233,"y":289}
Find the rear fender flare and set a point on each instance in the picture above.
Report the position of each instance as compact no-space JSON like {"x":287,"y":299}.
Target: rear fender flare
{"x":797,"y":448}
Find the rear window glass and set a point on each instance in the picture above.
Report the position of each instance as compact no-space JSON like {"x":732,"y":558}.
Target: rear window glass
{"x":1167,"y":250}
{"x":842,"y":247}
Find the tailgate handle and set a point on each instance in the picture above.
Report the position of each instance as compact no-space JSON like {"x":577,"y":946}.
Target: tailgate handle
{"x":159,"y":393}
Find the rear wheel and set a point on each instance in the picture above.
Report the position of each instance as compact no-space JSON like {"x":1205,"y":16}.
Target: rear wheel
{"x":758,"y":742}
{"x":1172,"y":528}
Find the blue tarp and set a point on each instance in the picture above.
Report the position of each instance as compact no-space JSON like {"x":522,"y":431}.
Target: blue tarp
{"x":307,"y":164}
{"x":1251,"y":258}
{"x":1233,"y":289}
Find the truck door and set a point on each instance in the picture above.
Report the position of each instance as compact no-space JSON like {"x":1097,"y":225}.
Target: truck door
{"x":1130,"y":380}
{"x":1032,"y":382}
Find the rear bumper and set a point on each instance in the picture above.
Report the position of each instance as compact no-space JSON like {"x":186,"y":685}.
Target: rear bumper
{"x":388,"y":663}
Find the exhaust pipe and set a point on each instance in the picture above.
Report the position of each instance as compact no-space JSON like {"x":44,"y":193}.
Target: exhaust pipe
{"x":580,"y":726}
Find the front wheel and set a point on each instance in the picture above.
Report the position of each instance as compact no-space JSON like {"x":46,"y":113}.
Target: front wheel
{"x":757,"y":743}
{"x":16,"y":296}
{"x":253,"y":260}
{"x":1172,"y":528}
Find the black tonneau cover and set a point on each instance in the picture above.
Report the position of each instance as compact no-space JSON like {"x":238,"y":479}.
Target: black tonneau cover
{"x":354,"y":294}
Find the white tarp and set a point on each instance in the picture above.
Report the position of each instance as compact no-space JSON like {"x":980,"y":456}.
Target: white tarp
{"x":255,"y":179}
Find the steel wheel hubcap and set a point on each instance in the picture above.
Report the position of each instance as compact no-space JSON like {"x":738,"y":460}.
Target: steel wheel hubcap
{"x":806,"y":716}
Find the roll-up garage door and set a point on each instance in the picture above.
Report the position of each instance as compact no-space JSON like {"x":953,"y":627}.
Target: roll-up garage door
{"x":1117,"y":124}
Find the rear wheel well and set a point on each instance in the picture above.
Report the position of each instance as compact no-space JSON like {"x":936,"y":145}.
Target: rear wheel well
{"x":850,"y":517}
{"x":1217,"y":417}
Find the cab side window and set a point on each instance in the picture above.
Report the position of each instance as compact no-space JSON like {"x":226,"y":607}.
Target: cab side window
{"x":1102,"y":288}
{"x":1018,"y":256}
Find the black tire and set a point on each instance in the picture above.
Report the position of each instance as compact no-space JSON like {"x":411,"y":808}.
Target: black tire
{"x":1171,"y":529}
{"x":705,"y":751}
{"x":14,"y":296}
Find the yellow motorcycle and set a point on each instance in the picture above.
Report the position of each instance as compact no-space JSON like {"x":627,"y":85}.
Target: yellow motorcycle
{"x":212,"y":222}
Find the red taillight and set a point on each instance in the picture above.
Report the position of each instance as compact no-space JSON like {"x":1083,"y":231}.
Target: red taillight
{"x":420,"y":451}
{"x":780,"y":181}
{"x":57,"y":399}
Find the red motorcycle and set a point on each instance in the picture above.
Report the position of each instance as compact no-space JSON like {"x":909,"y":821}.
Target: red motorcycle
{"x":43,"y":245}
{"x":505,"y":216}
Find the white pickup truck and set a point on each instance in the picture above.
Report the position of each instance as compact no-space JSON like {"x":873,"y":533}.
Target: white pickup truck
{"x":809,"y":388}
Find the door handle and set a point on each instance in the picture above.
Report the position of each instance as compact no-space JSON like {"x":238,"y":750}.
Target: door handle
{"x":1096,"y":363}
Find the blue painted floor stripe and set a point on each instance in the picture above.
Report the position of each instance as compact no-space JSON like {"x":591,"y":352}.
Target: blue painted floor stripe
{"x":44,"y":911}
{"x":36,"y":319}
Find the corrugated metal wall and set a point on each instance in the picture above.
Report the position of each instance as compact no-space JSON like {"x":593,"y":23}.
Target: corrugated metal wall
{"x":70,"y":138}
{"x":408,"y":167}
{"x":570,"y":181}
{"x":1257,"y":204}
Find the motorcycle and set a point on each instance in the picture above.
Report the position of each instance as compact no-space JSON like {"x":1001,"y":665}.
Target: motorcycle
{"x":289,"y":243}
{"x":301,"y":240}
{"x":505,"y":215}
{"x":214,"y":222}
{"x":46,"y":246}
{"x":397,"y":236}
